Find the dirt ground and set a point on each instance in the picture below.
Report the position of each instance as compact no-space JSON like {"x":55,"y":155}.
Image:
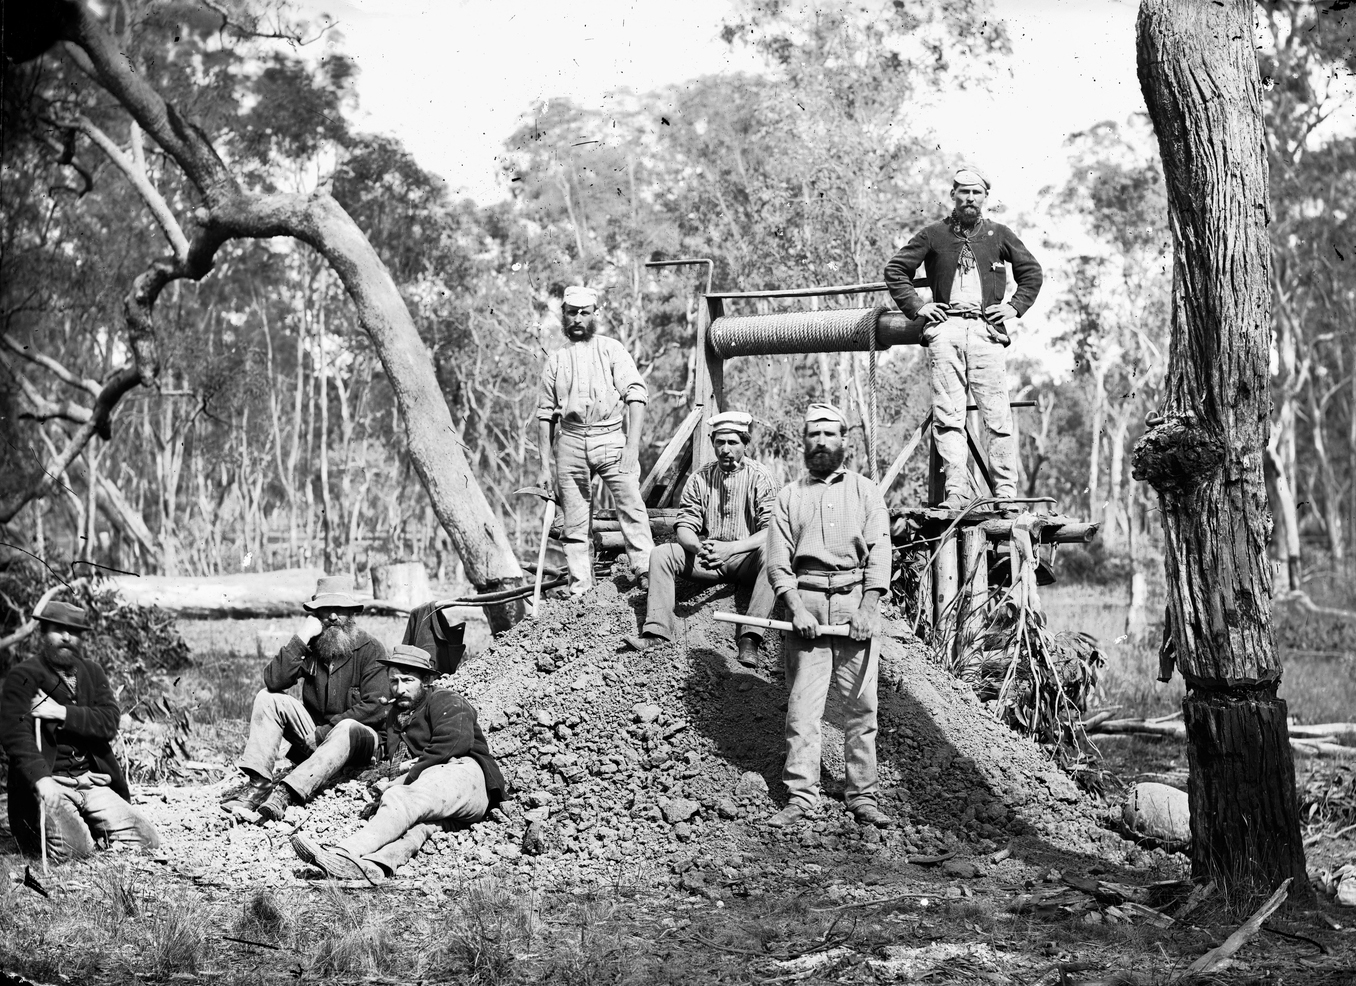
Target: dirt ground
{"x":635,"y":849}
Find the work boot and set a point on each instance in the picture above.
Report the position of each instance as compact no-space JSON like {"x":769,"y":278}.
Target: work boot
{"x":275,"y":808}
{"x":789,"y":815}
{"x":249,"y":797}
{"x":748,"y":650}
{"x":334,"y":862}
{"x":640,"y":642}
{"x":868,"y":813}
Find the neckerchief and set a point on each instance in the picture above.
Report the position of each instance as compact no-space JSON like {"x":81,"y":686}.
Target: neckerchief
{"x":403,"y":719}
{"x":965,"y":263}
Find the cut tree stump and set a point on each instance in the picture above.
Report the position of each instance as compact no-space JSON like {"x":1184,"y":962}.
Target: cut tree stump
{"x":403,"y":585}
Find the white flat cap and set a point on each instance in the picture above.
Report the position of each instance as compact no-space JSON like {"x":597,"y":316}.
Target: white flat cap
{"x":581,"y":297}
{"x":824,"y":412}
{"x":737,"y":421}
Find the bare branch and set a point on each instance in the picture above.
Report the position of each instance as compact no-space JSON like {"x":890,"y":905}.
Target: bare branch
{"x":253,"y":32}
{"x":141,"y":182}
{"x":89,"y":386}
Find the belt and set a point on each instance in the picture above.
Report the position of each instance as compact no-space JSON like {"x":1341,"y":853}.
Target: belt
{"x":836,"y":582}
{"x":575,"y":428}
{"x":974,"y":313}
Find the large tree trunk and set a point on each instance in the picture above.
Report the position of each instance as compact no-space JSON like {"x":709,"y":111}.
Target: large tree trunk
{"x":1199,"y":76}
{"x":229,"y":212}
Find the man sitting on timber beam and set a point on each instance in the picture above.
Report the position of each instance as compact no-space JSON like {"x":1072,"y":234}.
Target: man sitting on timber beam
{"x":829,"y":559}
{"x":333,"y":725}
{"x":721,"y":536}
{"x":586,"y":388}
{"x":966,"y":257}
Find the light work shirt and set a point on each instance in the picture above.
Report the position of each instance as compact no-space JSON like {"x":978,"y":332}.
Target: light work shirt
{"x":590,"y":383}
{"x":727,"y":506}
{"x":837,"y":523}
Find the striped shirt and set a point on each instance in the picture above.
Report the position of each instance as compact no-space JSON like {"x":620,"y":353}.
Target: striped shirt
{"x":590,"y":383}
{"x":728,"y":506}
{"x":833,"y":524}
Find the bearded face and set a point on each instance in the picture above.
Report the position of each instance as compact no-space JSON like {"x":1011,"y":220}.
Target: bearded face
{"x":824,"y":448}
{"x":338,"y":637}
{"x":824,"y":461}
{"x":61,"y":646}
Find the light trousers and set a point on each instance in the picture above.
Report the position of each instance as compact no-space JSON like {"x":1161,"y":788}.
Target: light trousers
{"x":579,"y":456}
{"x":962,"y":356}
{"x":94,"y":815}
{"x":850,"y":668}
{"x":276,"y":716}
{"x":349,"y":744}
{"x":667,"y":561}
{"x":410,"y":813}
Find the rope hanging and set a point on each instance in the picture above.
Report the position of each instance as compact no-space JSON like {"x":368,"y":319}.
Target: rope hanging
{"x":873,"y":449}
{"x":830,"y":330}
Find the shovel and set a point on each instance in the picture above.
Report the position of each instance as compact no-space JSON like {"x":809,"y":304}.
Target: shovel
{"x":550,"y":516}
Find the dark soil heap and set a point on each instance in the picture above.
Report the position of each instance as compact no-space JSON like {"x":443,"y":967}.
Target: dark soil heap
{"x":627,"y":765}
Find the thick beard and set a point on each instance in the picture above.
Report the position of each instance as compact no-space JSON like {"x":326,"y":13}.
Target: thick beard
{"x":585,"y":336}
{"x":64,"y":657}
{"x":336,"y":639}
{"x":824,"y":462}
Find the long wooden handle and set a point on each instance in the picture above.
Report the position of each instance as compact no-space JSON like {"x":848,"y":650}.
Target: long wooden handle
{"x":834,"y":630}
{"x":42,"y":810}
{"x":549,"y":516}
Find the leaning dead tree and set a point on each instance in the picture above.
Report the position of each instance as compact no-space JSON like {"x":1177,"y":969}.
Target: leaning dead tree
{"x":227,"y":211}
{"x":1198,"y":72}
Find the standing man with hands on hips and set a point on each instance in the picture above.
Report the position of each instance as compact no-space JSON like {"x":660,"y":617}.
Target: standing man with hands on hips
{"x":966,"y":258}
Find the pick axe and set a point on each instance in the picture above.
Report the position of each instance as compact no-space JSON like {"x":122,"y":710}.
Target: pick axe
{"x":550,"y":499}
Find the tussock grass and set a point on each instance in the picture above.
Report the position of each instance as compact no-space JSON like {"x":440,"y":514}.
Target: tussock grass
{"x":488,"y":938}
{"x":591,"y":951}
{"x":177,"y":936}
{"x":356,"y":938}
{"x":263,"y":917}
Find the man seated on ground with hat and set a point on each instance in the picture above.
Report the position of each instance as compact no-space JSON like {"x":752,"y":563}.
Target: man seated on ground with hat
{"x":829,"y":560}
{"x":966,"y":258}
{"x":721,"y":536}
{"x":65,"y":778}
{"x":587,"y":387}
{"x":453,"y":778}
{"x":334,"y":724}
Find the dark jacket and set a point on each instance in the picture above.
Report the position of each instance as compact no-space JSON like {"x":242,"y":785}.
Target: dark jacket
{"x":351,"y":688}
{"x":442,"y":729}
{"x":937,"y":248}
{"x":419,"y":631}
{"x":90,"y":726}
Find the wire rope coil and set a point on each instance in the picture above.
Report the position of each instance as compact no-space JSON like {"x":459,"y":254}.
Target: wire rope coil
{"x":828,"y":330}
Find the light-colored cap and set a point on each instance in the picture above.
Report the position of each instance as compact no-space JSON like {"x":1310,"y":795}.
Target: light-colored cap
{"x":736,"y":421}
{"x":333,"y":592}
{"x":580,"y":297}
{"x":824,"y":412}
{"x":969,"y":176}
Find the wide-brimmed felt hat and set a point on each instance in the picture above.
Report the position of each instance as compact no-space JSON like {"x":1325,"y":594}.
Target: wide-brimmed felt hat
{"x":63,"y":615}
{"x":410,"y":657}
{"x":333,"y":592}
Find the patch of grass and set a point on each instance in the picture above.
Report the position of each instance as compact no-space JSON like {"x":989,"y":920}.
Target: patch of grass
{"x":488,"y":938}
{"x":177,"y":936}
{"x":356,"y":938}
{"x":591,"y":950}
{"x":263,"y":917}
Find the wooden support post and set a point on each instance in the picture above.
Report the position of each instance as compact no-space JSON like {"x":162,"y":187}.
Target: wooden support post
{"x":974,"y":550}
{"x":709,"y":385}
{"x":945,"y":581}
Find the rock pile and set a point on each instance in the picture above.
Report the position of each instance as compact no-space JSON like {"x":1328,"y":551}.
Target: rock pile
{"x":632,"y":766}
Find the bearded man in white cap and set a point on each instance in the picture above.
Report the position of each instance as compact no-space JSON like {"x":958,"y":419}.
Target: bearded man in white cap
{"x":721,"y":536}
{"x":829,"y":561}
{"x":966,"y":258}
{"x":334,"y":725}
{"x":588,"y":387}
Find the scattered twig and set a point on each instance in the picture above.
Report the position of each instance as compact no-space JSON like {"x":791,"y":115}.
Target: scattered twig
{"x":1239,"y":938}
{"x":1323,"y":949}
{"x":872,"y":903}
{"x":730,"y":948}
{"x":249,"y":941}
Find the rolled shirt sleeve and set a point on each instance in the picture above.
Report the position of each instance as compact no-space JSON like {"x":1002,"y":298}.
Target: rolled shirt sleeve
{"x":876,"y":533}
{"x":626,"y":377}
{"x":547,"y":405}
{"x":692,"y":506}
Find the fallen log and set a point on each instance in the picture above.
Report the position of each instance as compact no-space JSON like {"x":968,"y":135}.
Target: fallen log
{"x":1320,"y":740}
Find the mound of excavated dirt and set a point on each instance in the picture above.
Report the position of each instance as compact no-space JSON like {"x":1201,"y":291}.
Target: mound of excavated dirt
{"x":626,"y":765}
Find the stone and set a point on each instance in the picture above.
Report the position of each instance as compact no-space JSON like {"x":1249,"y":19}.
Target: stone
{"x":961,"y":869}
{"x":679,"y":810}
{"x":750,"y":784}
{"x":534,"y":838}
{"x":682,"y":831}
{"x":726,"y":808}
{"x":646,"y":712}
{"x":1159,"y":812}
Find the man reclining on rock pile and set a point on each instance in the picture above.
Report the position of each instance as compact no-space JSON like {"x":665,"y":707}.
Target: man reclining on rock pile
{"x":721,"y":536}
{"x":334,"y":725}
{"x":453,"y":777}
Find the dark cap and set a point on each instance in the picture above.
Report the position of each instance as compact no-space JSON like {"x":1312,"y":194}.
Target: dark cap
{"x":409,"y":657}
{"x":63,"y":615}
